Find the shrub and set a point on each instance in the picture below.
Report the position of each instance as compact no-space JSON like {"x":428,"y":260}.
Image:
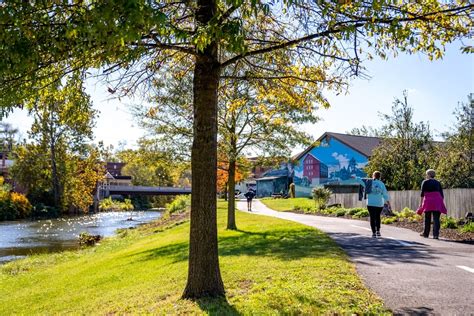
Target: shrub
{"x":309,"y":210}
{"x":406,"y":213}
{"x":352,"y":211}
{"x":87,"y":239}
{"x":111,"y":205}
{"x":389,"y":220}
{"x":42,"y":211}
{"x":415,"y":218}
{"x":21,"y":204}
{"x":7,"y":211}
{"x":468,"y":228}
{"x":340,"y":212}
{"x":178,"y":205}
{"x":321,"y":197}
{"x":329,"y":211}
{"x":14,"y":206}
{"x":449,"y":222}
{"x":361,"y":213}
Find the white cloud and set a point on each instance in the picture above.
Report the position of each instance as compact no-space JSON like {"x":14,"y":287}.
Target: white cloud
{"x":343,"y":160}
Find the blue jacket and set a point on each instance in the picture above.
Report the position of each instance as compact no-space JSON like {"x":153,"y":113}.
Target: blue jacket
{"x":378,"y":194}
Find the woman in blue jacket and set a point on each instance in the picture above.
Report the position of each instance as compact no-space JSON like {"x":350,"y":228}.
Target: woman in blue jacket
{"x":376,"y":198}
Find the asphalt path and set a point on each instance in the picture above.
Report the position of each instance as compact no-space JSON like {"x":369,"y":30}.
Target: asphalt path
{"x":412,"y":274}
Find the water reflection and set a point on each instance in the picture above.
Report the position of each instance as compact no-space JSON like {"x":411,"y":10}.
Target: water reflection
{"x":21,"y":238}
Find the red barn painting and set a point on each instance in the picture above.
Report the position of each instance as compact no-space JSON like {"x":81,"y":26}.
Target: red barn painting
{"x":313,"y":168}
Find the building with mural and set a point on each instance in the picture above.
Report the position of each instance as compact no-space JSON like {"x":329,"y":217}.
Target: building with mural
{"x":335,"y":159}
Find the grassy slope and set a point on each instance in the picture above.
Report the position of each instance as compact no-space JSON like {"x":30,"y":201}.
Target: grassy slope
{"x":269,"y":266}
{"x":287,"y":205}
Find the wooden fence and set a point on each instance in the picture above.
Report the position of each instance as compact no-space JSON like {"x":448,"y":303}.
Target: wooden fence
{"x":458,"y":201}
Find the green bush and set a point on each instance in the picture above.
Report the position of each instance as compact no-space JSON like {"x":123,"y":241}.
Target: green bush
{"x":389,"y":220}
{"x":113,"y":205}
{"x":467,"y":228}
{"x":179,"y":204}
{"x":449,"y":222}
{"x":352,"y":211}
{"x":309,"y":210}
{"x":340,"y":212}
{"x":361,"y":213}
{"x":42,"y":211}
{"x":86,"y":239}
{"x":406,"y":213}
{"x":321,"y":197}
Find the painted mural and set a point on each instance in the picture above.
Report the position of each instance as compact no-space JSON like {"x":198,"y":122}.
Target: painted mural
{"x":330,"y":162}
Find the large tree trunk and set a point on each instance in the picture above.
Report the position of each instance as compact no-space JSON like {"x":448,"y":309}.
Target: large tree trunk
{"x":225,"y":191}
{"x":55,"y":176}
{"x":231,"y":205}
{"x":204,"y":277}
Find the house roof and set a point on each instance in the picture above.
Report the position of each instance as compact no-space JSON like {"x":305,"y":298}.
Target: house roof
{"x":363,"y":144}
{"x":276,"y":173}
{"x":269,"y":178}
{"x":312,"y":156}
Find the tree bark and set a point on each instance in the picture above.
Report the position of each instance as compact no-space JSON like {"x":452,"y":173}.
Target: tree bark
{"x":225,"y":191}
{"x":231,"y":204}
{"x":204,"y":277}
{"x":55,"y":176}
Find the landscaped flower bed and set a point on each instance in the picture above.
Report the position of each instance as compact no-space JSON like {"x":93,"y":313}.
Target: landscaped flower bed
{"x":451,"y":229}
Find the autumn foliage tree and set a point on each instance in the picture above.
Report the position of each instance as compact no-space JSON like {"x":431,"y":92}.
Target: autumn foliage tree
{"x":132,"y":41}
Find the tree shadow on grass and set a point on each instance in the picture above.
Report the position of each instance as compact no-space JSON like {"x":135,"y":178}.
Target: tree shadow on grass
{"x":217,"y":306}
{"x":281,"y":244}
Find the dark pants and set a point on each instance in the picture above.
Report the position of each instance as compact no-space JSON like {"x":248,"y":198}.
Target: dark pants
{"x":436,"y":225}
{"x":375,"y":212}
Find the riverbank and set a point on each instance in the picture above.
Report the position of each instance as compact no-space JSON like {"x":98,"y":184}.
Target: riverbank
{"x":25,"y":237}
{"x":269,"y":266}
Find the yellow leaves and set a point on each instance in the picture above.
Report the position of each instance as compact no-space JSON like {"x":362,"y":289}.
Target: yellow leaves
{"x":152,"y":112}
{"x":234,"y":104}
{"x":71,"y":33}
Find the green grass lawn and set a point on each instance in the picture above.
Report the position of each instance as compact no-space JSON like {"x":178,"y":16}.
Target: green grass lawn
{"x":269,"y":266}
{"x":287,"y":205}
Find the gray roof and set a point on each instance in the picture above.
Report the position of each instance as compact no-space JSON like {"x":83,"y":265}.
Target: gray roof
{"x":363,"y":144}
{"x":269,"y":178}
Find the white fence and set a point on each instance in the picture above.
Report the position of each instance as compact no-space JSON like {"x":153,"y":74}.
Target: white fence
{"x":458,"y":201}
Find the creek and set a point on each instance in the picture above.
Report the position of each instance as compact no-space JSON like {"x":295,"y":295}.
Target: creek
{"x":24,"y":237}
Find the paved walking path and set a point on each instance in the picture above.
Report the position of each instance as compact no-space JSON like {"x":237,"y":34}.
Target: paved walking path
{"x":412,"y":274}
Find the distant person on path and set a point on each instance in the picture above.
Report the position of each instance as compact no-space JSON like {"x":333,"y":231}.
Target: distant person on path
{"x":249,"y":195}
{"x":377,"y":196}
{"x":432,"y":203}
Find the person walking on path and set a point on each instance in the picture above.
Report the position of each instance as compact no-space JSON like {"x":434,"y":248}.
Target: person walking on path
{"x":377,"y":196}
{"x":249,"y":195}
{"x":432,"y":203}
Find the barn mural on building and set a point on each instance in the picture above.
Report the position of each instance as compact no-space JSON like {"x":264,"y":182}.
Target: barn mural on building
{"x":334,"y":160}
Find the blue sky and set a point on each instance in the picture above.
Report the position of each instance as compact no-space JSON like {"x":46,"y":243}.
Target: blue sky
{"x":434,"y":89}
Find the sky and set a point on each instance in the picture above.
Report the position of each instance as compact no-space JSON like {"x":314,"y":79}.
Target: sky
{"x":434,"y":90}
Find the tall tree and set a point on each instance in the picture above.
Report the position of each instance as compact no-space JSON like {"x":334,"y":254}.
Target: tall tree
{"x":63,"y":117}
{"x":42,"y":41}
{"x":406,"y":150}
{"x":7,"y":139}
{"x":455,"y":157}
{"x":258,"y":115}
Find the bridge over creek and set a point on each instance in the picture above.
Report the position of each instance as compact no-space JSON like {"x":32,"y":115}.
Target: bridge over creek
{"x":107,"y":190}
